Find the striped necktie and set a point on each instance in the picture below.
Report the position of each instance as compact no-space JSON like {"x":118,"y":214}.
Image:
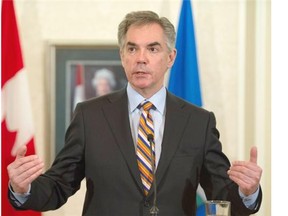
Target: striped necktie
{"x":143,"y":151}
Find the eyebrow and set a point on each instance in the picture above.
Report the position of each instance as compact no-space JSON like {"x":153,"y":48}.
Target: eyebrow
{"x":131,"y":44}
{"x":154,"y":44}
{"x":149,"y":45}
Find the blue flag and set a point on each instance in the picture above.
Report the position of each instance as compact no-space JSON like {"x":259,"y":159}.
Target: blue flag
{"x":184,"y":78}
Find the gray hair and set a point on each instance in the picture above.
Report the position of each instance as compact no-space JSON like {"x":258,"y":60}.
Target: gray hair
{"x":106,"y":74}
{"x":140,"y":18}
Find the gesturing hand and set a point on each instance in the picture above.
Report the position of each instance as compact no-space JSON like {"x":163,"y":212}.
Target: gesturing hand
{"x":23,"y":170}
{"x":246,"y":174}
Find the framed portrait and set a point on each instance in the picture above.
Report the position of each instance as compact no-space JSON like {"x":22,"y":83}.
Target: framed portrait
{"x":79,"y":73}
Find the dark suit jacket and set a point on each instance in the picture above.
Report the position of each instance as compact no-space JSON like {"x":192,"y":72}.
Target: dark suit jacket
{"x":99,"y":147}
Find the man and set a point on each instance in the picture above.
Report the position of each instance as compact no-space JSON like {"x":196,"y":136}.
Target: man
{"x":104,"y":144}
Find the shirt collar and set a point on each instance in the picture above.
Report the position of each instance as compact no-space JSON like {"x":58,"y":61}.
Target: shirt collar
{"x":158,"y":99}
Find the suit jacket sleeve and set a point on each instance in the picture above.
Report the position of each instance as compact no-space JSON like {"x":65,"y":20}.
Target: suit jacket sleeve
{"x":214,"y":178}
{"x":52,"y":189}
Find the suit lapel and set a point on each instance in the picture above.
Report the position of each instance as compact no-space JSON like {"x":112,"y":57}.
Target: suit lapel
{"x":116,"y":113}
{"x":175,"y":122}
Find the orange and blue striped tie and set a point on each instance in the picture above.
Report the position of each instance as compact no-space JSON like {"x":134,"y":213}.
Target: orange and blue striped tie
{"x":144,"y":157}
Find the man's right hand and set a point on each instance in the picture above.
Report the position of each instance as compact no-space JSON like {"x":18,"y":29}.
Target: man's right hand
{"x":24,"y":170}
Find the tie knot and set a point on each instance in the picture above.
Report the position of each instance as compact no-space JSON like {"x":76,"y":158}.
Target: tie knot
{"x":147,"y":105}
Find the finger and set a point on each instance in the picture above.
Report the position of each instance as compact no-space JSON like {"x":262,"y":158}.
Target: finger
{"x":21,"y":152}
{"x":21,"y":179}
{"x":243,"y":180}
{"x":253,"y":155}
{"x":31,"y":173}
{"x":22,"y":185}
{"x":241,"y":171}
{"x":243,"y":185}
{"x":32,"y":177}
{"x":245,"y":174}
{"x":29,"y":166}
{"x":238,"y":179}
{"x":245,"y":164}
{"x":21,"y":165}
{"x":247,"y":185}
{"x":23,"y":160}
{"x":252,"y":171}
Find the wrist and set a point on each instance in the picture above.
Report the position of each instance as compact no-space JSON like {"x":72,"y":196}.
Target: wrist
{"x":19,"y":190}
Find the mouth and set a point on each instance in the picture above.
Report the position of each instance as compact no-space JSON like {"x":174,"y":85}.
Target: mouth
{"x":140,"y":73}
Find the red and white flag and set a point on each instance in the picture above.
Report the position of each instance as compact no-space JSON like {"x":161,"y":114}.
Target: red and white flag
{"x":79,"y":94}
{"x":16,"y":114}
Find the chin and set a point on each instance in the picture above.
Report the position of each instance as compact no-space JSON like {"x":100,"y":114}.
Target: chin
{"x":141,"y":83}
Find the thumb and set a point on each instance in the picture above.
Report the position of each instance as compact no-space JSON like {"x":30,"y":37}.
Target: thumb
{"x":253,"y":154}
{"x":21,"y":152}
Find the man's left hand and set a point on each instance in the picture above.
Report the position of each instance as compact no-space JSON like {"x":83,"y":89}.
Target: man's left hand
{"x":246,"y":174}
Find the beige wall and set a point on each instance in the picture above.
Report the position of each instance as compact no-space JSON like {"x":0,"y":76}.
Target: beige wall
{"x":233,"y":39}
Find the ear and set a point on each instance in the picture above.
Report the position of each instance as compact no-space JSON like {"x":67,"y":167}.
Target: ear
{"x":172,"y":57}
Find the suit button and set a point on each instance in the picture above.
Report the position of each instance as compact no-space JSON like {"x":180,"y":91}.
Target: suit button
{"x":146,"y":204}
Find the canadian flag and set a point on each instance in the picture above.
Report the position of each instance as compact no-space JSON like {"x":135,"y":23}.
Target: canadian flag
{"x":16,"y":115}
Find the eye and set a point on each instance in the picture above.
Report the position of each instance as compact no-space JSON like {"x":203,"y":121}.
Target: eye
{"x":153,"y":49}
{"x":131,"y":49}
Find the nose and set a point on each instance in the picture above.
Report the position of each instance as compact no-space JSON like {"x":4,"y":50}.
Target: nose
{"x":142,"y":57}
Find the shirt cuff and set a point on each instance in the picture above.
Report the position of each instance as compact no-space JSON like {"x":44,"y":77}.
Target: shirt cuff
{"x":249,"y":201}
{"x":19,"y":199}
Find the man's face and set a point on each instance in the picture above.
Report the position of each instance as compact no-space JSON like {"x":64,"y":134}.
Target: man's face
{"x":145,"y":58}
